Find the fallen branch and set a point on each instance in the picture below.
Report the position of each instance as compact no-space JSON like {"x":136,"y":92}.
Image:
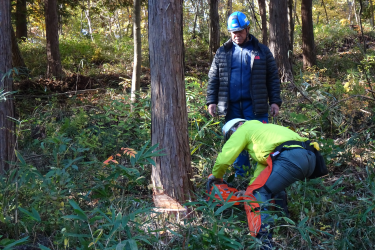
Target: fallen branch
{"x":58,"y":94}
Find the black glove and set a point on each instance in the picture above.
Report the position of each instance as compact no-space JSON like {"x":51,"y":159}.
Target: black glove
{"x":214,"y":180}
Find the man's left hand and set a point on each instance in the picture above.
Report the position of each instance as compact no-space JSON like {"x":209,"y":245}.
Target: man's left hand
{"x":274,"y":109}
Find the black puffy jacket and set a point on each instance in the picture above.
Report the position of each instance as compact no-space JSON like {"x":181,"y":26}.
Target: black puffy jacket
{"x":264,"y":83}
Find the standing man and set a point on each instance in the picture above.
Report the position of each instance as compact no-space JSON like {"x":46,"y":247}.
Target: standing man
{"x":243,"y":81}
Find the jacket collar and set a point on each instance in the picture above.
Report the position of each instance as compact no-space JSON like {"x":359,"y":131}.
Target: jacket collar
{"x":228,"y":44}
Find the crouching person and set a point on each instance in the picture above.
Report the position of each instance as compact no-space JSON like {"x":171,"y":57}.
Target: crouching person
{"x":282,"y":157}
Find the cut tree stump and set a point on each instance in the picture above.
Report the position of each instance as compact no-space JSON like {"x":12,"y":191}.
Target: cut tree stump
{"x":164,"y":203}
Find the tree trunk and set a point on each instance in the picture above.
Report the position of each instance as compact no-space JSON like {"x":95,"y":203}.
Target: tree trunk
{"x":360,"y":25}
{"x":21,"y":20}
{"x":355,"y":12}
{"x":52,"y":34}
{"x":263,"y":15}
{"x":17,"y":59}
{"x":136,"y":77}
{"x":291,"y":31}
{"x":325,"y":10}
{"x":214,"y":28}
{"x":350,"y":5}
{"x":7,"y":133}
{"x":172,"y":173}
{"x":372,"y":15}
{"x":229,"y":8}
{"x":279,"y":38}
{"x":308,"y":47}
{"x":87,"y":13}
{"x":295,"y":12}
{"x":195,"y":20}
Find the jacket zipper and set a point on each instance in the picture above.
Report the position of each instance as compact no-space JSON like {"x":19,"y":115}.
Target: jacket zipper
{"x":241,"y":85}
{"x":252,"y":57}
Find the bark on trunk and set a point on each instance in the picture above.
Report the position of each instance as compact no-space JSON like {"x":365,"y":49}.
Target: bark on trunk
{"x":263,"y":15}
{"x":295,"y":12}
{"x":360,"y":25}
{"x":325,"y":10}
{"x":350,"y":7}
{"x":214,"y":28}
{"x":308,"y":47}
{"x":172,"y":173}
{"x":52,"y":34}
{"x":279,"y":39}
{"x":229,"y":8}
{"x":87,"y":13}
{"x":21,"y":20}
{"x":7,"y":133}
{"x":17,"y":59}
{"x":136,"y":77}
{"x":291,"y":31}
{"x":372,"y":15}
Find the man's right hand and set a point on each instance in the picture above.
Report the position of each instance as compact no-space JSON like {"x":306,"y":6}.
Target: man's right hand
{"x":212,"y":109}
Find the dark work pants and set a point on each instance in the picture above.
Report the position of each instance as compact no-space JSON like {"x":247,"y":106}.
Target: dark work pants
{"x":290,"y":166}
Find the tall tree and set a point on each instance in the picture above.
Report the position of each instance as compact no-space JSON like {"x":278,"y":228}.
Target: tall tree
{"x":172,"y":173}
{"x":308,"y":47}
{"x":54,"y":67}
{"x":7,"y":138}
{"x":21,"y":20}
{"x":214,"y":28}
{"x":136,"y":77}
{"x":279,"y":38}
{"x":229,"y":8}
{"x":372,"y":14}
{"x":17,"y":59}
{"x":263,"y":16}
{"x":291,"y":30}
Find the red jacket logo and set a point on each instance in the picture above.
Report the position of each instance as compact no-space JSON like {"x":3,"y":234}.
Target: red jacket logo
{"x":257,"y":57}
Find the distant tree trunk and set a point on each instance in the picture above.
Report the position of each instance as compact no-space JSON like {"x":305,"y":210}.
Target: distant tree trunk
{"x":279,"y":38}
{"x":360,"y":25}
{"x":52,"y":34}
{"x":350,"y":5}
{"x":372,"y":14}
{"x":87,"y":13}
{"x":17,"y":59}
{"x":291,"y":31}
{"x":21,"y":20}
{"x":308,"y":47}
{"x":263,"y":15}
{"x":214,"y":28}
{"x":229,"y":8}
{"x":136,"y":78}
{"x":325,"y":10}
{"x":7,"y":133}
{"x":355,"y":12}
{"x":193,"y":36}
{"x":291,"y":24}
{"x":172,"y":173}
{"x":295,"y":12}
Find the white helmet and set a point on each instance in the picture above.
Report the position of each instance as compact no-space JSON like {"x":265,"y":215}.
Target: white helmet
{"x":229,"y":126}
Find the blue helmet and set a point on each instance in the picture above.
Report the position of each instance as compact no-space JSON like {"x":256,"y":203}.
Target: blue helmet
{"x":237,"y":21}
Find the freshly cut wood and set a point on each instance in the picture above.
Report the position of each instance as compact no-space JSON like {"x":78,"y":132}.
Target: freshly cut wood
{"x":165,"y":203}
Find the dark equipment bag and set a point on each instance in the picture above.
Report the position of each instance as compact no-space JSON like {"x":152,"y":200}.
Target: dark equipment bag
{"x":320,"y":167}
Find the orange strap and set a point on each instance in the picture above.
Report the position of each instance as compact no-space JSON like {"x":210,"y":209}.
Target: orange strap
{"x":252,"y":209}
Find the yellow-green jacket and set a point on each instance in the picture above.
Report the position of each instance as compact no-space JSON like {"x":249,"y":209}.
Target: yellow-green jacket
{"x":258,"y":139}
